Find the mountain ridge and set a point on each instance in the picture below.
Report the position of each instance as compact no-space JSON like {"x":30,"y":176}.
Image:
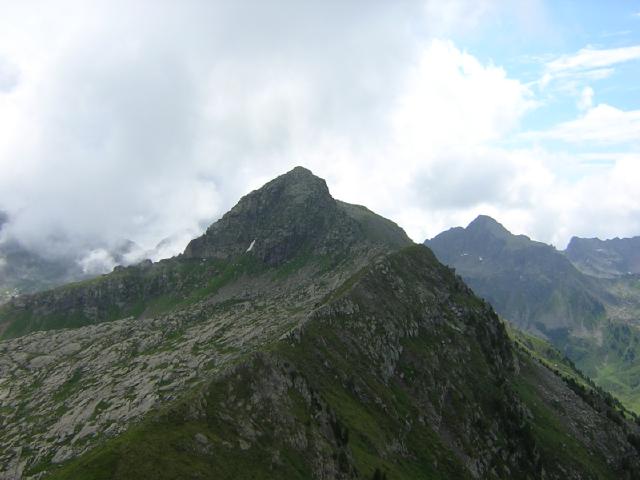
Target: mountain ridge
{"x":605,"y":258}
{"x":291,"y":222}
{"x":311,"y":355}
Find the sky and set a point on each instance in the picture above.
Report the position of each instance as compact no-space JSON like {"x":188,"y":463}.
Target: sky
{"x":148,"y":120}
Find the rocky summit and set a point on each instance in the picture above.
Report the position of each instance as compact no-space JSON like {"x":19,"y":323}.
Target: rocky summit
{"x":299,"y":337}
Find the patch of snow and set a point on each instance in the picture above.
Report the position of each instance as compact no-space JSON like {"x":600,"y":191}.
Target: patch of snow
{"x":251,"y":246}
{"x":464,"y":254}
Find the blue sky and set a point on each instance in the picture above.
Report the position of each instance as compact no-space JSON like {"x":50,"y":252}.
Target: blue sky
{"x":556,"y":30}
{"x":150,"y":119}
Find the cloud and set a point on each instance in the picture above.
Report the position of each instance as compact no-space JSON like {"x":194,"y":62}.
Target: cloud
{"x":126,"y":123}
{"x":600,"y":125}
{"x":148,"y":120}
{"x":588,"y":64}
{"x":9,"y":76}
{"x":590,"y":58}
{"x":97,"y":261}
{"x":585,"y":101}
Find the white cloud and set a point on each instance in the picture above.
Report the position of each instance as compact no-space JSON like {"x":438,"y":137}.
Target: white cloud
{"x":600,"y":125}
{"x":451,"y":98}
{"x":126,"y":123}
{"x":585,"y":102}
{"x":97,"y":261}
{"x":149,"y":120}
{"x":590,"y":58}
{"x":567,"y":72}
{"x":9,"y":76}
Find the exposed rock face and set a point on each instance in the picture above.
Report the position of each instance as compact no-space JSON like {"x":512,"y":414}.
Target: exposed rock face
{"x":291,"y":213}
{"x":605,"y":258}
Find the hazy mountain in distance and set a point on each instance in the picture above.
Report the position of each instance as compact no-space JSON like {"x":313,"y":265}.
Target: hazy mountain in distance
{"x":605,"y":258}
{"x":528,"y":282}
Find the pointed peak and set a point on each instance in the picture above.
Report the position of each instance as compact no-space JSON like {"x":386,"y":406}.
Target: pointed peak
{"x":297,"y":185}
{"x":488,"y":224}
{"x":484,"y":220}
{"x":286,"y":215}
{"x":298,"y":170}
{"x":293,"y":213}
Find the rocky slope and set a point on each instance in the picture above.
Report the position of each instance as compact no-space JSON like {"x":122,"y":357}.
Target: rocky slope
{"x":593,"y":320}
{"x":328,"y":353}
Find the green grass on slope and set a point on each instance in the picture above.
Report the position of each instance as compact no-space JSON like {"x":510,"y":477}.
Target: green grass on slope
{"x":545,"y":353}
{"x":552,"y":437}
{"x":613,"y":362}
{"x":160,"y":288}
{"x":323,"y":401}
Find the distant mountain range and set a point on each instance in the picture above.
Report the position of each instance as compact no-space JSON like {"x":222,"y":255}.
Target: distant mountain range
{"x":300,"y":337}
{"x":585,"y":300}
{"x":605,"y":258}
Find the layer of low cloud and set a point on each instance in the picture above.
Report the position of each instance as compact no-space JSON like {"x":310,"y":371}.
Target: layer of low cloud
{"x":147,"y":121}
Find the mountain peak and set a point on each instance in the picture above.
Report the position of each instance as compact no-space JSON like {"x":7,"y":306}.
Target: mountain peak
{"x":291,"y":215}
{"x":299,"y":170}
{"x":488,"y":224}
{"x":297,"y":184}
